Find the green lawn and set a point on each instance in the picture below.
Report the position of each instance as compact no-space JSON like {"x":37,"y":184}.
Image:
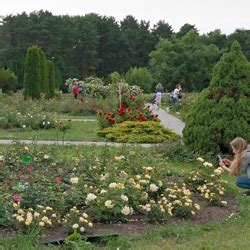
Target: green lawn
{"x":80,"y":131}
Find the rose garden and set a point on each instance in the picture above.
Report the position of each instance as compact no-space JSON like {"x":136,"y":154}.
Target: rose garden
{"x":170,"y":193}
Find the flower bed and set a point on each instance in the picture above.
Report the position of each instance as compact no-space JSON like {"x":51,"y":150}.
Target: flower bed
{"x":41,"y":191}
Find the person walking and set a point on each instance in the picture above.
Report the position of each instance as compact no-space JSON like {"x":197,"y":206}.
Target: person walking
{"x":159,"y":94}
{"x":76,"y":91}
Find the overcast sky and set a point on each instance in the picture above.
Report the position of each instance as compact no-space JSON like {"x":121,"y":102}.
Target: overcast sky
{"x":207,"y":15}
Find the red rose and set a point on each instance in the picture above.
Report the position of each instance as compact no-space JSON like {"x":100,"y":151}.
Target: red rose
{"x":58,"y":179}
{"x":16,"y":198}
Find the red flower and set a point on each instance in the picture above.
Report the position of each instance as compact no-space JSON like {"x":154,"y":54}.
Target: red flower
{"x":58,"y":179}
{"x":132,"y":98}
{"x":121,"y":111}
{"x":30,"y":168}
{"x":20,"y":174}
{"x":100,"y":113}
{"x":16,"y":198}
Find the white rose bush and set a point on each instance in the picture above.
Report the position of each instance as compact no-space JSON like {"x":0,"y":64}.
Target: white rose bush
{"x":89,"y":188}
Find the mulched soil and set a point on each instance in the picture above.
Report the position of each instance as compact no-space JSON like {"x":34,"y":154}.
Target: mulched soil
{"x":138,"y":224}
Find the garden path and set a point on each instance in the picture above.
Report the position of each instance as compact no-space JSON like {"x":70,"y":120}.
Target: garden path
{"x":170,"y":121}
{"x":167,"y":120}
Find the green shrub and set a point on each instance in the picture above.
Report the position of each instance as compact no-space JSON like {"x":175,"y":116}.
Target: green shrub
{"x":8,"y":80}
{"x":222,"y":110}
{"x":140,"y":77}
{"x":138,"y":132}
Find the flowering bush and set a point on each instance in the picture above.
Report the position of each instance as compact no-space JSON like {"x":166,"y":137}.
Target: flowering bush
{"x":208,"y":182}
{"x":95,"y":87}
{"x":132,"y":109}
{"x":45,"y":191}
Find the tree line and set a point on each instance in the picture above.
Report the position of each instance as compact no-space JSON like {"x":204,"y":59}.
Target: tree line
{"x":96,"y":45}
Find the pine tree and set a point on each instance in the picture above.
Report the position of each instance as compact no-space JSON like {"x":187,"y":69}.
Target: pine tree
{"x":32,"y":76}
{"x":222,"y":112}
{"x":51,"y":78}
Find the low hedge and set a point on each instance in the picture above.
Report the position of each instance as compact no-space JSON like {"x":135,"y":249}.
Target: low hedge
{"x":138,"y":132}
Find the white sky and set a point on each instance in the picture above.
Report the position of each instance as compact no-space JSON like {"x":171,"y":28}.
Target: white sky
{"x":207,"y":15}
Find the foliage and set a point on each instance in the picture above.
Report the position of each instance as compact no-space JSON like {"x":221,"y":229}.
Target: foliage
{"x":207,"y":180}
{"x":221,"y":113}
{"x":175,"y":149}
{"x":192,"y":68}
{"x":138,"y":132}
{"x":51,"y":78}
{"x":140,"y":77}
{"x":130,"y":108}
{"x":94,"y":87}
{"x":8,"y":80}
{"x":32,"y":76}
{"x":90,"y":186}
{"x":44,"y":87}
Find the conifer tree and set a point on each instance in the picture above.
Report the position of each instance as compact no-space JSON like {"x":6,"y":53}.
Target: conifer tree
{"x":51,"y":78}
{"x":44,"y":73}
{"x":222,"y":112}
{"x":32,"y":76}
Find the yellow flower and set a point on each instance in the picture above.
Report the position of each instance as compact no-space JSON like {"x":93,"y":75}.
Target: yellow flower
{"x":147,"y":176}
{"x":197,"y":206}
{"x":137,"y":186}
{"x":41,"y":224}
{"x":192,"y":212}
{"x":206,"y":195}
{"x":138,"y":177}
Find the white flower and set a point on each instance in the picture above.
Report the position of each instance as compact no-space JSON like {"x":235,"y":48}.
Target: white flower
{"x":74,"y":180}
{"x":82,"y":229}
{"x":75,"y":226}
{"x":112,"y":185}
{"x":90,"y":197}
{"x":36,"y":214}
{"x":43,"y":123}
{"x":24,"y":126}
{"x":153,"y":187}
{"x":48,"y":122}
{"x":125,"y":210}
{"x":108,"y":204}
{"x":160,"y":183}
{"x":218,"y":171}
{"x":124,"y":197}
{"x":224,"y":202}
{"x":46,"y":157}
{"x":200,"y":159}
{"x":207,"y":164}
{"x":1,"y":158}
{"x":85,"y":215}
{"x":103,"y":191}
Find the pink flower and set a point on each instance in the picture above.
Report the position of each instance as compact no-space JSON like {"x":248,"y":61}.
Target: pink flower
{"x":58,"y":179}
{"x":20,"y":174}
{"x":16,"y":198}
{"x":30,"y":168}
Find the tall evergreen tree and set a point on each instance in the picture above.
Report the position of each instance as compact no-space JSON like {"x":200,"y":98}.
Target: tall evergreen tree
{"x":222,"y":111}
{"x":43,"y":73}
{"x":32,"y":77}
{"x":51,"y":78}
